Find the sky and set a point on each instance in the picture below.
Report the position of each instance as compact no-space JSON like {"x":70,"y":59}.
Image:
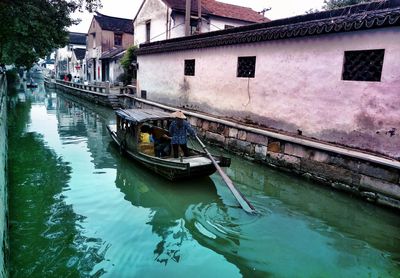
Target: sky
{"x":128,"y":9}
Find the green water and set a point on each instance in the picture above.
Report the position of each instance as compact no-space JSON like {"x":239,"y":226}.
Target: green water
{"x":79,"y":209}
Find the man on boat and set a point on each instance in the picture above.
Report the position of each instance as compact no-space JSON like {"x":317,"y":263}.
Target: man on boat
{"x":160,"y":138}
{"x":178,"y":130}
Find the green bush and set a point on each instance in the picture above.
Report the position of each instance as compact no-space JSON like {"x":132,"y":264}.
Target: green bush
{"x":12,"y":76}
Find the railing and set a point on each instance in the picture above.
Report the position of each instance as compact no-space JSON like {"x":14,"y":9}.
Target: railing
{"x":86,"y":87}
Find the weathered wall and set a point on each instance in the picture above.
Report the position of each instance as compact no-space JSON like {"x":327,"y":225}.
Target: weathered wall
{"x":297,"y":87}
{"x":3,"y":177}
{"x":161,"y":21}
{"x":157,"y":12}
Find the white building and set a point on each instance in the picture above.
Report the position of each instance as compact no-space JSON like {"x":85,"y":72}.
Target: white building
{"x":332,"y":76}
{"x":165,"y":19}
{"x":63,"y":57}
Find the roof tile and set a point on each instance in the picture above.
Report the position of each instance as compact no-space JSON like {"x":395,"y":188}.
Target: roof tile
{"x":114,"y":24}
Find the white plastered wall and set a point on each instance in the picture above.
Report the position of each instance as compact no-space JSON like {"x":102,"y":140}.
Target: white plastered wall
{"x":297,"y":86}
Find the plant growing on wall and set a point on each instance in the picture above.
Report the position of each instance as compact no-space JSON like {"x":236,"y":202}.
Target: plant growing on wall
{"x":31,"y":29}
{"x":129,"y":64}
{"x":334,"y":4}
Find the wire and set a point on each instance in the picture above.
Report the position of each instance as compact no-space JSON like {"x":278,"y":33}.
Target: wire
{"x":166,"y":32}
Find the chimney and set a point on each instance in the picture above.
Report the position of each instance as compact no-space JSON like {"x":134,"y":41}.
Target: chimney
{"x":187,"y":17}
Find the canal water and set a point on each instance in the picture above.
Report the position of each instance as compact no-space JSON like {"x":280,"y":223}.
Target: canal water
{"x":79,"y":209}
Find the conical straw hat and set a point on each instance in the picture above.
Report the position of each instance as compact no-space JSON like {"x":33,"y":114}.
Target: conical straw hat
{"x":179,"y":115}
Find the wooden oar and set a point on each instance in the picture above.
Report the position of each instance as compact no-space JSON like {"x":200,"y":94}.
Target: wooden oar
{"x":244,"y":203}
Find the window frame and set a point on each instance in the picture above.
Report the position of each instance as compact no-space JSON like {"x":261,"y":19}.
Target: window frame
{"x":148,"y":31}
{"x":240,"y":72}
{"x":118,"y":35}
{"x":368,"y":70}
{"x":187,"y":67}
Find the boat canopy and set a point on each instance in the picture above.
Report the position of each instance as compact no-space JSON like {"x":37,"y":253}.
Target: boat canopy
{"x":143,"y":115}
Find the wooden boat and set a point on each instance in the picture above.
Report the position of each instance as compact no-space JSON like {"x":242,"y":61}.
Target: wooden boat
{"x":126,"y":133}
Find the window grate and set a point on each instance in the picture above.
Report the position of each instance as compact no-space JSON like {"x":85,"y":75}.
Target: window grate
{"x":190,"y":67}
{"x":365,"y":65}
{"x":246,"y":66}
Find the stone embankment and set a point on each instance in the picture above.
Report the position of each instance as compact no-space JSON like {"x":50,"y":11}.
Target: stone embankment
{"x":366,"y":175}
{"x":3,"y":177}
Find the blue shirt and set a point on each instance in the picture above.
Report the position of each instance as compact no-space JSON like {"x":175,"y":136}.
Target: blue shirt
{"x":179,"y":134}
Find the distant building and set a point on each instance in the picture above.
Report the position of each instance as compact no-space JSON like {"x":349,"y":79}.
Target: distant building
{"x":165,"y":19}
{"x":77,"y":62}
{"x":63,"y":57}
{"x":331,"y":76}
{"x":108,"y":38}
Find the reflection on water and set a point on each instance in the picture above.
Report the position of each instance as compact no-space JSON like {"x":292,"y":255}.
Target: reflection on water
{"x":167,"y":202}
{"x":95,"y":213}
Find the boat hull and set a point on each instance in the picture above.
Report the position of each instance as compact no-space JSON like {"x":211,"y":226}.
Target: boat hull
{"x":171,"y":169}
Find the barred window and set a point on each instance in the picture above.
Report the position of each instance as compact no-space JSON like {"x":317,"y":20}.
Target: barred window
{"x":189,"y":67}
{"x":365,"y":65}
{"x":246,"y":66}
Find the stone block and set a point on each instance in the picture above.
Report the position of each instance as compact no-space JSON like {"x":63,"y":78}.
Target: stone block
{"x":257,"y":139}
{"x":242,"y":135}
{"x":381,"y":186}
{"x":283,"y":160}
{"x":344,"y":162}
{"x":214,"y":137}
{"x":205,"y":125}
{"x":199,"y":123}
{"x":193,"y":121}
{"x":330,"y":172}
{"x":213,"y":127}
{"x":226,"y":131}
{"x":233,"y":132}
{"x":368,"y":169}
{"x":274,"y":147}
{"x":296,"y":150}
{"x":383,"y":200}
{"x":319,"y":156}
{"x":239,"y":145}
{"x":260,"y":151}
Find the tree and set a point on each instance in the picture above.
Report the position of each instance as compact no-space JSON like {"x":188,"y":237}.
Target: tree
{"x":334,"y":4}
{"x":127,"y":64}
{"x":31,"y":29}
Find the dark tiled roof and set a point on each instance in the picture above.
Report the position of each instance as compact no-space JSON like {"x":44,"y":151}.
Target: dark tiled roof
{"x":233,"y":11}
{"x":114,"y":24}
{"x":80,"y":53}
{"x":77,"y":38}
{"x":112,"y":53}
{"x":358,"y":17}
{"x":212,"y":7}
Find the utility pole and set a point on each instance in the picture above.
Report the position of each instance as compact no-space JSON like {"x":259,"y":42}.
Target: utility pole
{"x":199,"y":16}
{"x":187,"y":17}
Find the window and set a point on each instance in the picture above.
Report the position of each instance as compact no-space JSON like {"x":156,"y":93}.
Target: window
{"x":94,"y":40}
{"x":117,"y":39}
{"x":228,"y":26}
{"x":189,"y":67}
{"x":194,"y":26}
{"x":365,"y":65}
{"x":148,"y":27}
{"x":246,"y":66}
